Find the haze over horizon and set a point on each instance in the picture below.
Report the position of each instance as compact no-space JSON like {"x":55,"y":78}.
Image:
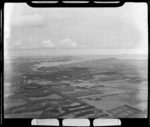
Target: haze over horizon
{"x":76,"y":31}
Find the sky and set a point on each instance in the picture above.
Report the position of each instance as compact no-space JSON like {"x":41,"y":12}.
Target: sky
{"x":121,"y":30}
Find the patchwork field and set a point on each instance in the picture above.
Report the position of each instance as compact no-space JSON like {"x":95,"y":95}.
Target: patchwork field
{"x":75,"y":87}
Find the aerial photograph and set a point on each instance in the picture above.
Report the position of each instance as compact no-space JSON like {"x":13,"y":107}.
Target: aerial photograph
{"x":75,"y":62}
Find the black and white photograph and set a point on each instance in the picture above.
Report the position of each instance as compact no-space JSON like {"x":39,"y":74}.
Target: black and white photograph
{"x":75,"y":62}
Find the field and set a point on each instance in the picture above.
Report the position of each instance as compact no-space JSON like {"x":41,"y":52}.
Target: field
{"x":76,"y":87}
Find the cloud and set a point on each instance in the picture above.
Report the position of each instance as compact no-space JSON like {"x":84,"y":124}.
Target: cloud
{"x":34,"y":20}
{"x":48,"y":44}
{"x":33,"y":43}
{"x":67,"y":43}
{"x":18,"y":44}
